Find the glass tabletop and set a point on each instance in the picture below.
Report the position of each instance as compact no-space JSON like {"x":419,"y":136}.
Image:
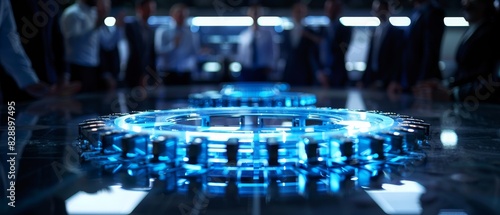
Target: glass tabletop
{"x":460,"y":175}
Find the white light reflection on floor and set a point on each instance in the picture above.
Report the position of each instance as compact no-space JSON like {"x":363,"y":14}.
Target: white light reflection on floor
{"x":114,"y":201}
{"x":449,"y":138}
{"x":399,"y":199}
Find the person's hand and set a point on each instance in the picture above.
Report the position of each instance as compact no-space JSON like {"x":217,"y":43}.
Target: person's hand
{"x":323,"y":79}
{"x":111,"y":83}
{"x":42,"y":89}
{"x":63,"y":79}
{"x":39,"y":89}
{"x":394,"y":91}
{"x":67,"y":89}
{"x":431,"y":90}
{"x":394,"y":88}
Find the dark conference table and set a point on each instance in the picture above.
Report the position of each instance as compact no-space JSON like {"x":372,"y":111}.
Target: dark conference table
{"x":461,"y":174}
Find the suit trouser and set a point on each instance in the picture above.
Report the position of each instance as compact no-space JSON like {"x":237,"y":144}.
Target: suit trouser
{"x":89,"y":77}
{"x":173,"y":77}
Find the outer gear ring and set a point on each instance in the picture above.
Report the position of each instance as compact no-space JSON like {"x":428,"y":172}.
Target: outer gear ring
{"x":247,"y":137}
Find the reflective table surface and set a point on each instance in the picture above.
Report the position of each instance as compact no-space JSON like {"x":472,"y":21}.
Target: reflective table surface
{"x":461,"y":174}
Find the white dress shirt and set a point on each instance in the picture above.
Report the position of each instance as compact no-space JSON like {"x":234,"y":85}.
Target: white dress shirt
{"x":296,"y":34}
{"x":12,"y":55}
{"x":266,"y":47}
{"x":82,"y":38}
{"x":180,"y":58}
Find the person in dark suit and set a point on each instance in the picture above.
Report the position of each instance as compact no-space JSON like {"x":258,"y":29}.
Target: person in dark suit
{"x":476,"y":78}
{"x":109,"y":57}
{"x":335,"y":42}
{"x":423,"y":45}
{"x":300,"y":50}
{"x":475,"y":65}
{"x":110,"y":66}
{"x":384,"y":60}
{"x":140,"y":38}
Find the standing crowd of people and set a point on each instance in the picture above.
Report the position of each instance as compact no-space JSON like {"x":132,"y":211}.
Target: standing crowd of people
{"x":71,"y":50}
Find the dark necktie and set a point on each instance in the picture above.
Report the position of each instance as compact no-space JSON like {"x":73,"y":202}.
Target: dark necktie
{"x":254,"y":50}
{"x":377,"y":42}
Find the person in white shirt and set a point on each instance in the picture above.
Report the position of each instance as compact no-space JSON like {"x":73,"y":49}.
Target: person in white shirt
{"x":177,"y":48}
{"x":84,"y":32}
{"x":141,"y":59}
{"x":300,"y":50}
{"x":257,"y":50}
{"x":16,"y":64}
{"x":12,"y":56}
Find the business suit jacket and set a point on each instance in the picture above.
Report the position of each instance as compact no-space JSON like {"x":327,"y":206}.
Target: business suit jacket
{"x":142,"y":55}
{"x":476,"y":65}
{"x":337,"y":45}
{"x":389,"y":58}
{"x":423,"y":45}
{"x":109,"y":60}
{"x":302,"y":60}
{"x":43,"y":44}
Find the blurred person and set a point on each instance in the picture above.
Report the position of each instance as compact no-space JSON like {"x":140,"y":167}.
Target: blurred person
{"x":84,"y":33}
{"x":41,"y":40}
{"x":140,"y":39}
{"x":15,"y":64}
{"x":497,"y":14}
{"x":476,"y":78}
{"x":257,"y":50}
{"x":177,"y":49}
{"x":109,"y":56}
{"x":300,"y":50}
{"x":422,"y":46}
{"x":477,"y":67}
{"x":497,"y":6}
{"x":334,"y":45}
{"x":384,"y":55}
{"x":110,"y":66}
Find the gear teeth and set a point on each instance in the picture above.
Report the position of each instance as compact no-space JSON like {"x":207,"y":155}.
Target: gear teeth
{"x":250,"y":144}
